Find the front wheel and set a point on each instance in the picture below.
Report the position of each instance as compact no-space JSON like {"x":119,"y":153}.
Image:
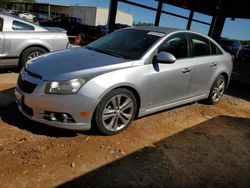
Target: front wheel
{"x":115,"y":111}
{"x":217,"y":90}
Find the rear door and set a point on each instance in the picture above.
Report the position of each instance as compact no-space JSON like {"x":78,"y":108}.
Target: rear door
{"x":204,"y":65}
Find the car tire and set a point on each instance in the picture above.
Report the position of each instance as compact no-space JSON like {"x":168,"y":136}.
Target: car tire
{"x":30,"y":53}
{"x":115,"y":111}
{"x":217,"y":90}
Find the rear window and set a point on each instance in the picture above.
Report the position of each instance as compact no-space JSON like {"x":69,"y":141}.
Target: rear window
{"x":214,"y":49}
{"x":200,"y":46}
{"x":16,"y":25}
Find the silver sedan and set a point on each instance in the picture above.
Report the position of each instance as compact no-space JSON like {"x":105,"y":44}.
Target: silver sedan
{"x":130,"y":73}
{"x":21,"y":40}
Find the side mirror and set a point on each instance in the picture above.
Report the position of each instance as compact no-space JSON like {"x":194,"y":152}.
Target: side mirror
{"x":165,"y":57}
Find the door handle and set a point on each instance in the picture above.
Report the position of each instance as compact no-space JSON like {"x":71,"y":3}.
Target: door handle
{"x":186,"y":70}
{"x":213,"y":64}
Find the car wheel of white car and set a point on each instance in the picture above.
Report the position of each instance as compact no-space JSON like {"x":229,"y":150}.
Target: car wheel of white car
{"x":217,"y":90}
{"x":115,"y":111}
{"x":31,"y":53}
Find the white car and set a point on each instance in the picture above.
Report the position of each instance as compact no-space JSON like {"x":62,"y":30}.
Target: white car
{"x":26,"y":16}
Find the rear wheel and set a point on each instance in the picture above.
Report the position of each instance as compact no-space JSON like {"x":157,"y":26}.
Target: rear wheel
{"x":115,"y":111}
{"x":217,"y":90}
{"x":31,"y":53}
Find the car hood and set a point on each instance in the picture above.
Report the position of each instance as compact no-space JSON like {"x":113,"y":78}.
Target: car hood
{"x":72,"y":63}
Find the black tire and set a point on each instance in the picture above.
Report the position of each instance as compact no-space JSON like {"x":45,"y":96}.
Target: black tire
{"x":28,"y":52}
{"x":212,"y":99}
{"x":117,"y":116}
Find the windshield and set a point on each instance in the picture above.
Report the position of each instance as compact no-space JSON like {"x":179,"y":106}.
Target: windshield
{"x":128,"y":43}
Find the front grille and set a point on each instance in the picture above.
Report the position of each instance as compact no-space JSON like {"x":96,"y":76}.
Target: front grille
{"x":25,"y":86}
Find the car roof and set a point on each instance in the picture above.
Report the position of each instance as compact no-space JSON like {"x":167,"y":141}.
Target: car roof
{"x":165,"y":30}
{"x":168,"y":30}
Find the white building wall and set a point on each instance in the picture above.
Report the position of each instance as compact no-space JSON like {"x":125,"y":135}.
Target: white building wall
{"x":124,"y":18}
{"x":101,"y":16}
{"x":87,"y":14}
{"x":93,"y":15}
{"x":121,"y":17}
{"x":57,"y":11}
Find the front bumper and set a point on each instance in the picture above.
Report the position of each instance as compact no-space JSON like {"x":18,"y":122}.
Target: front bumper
{"x":39,"y":103}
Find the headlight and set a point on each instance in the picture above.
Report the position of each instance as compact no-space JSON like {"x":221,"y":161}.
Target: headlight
{"x":64,"y":87}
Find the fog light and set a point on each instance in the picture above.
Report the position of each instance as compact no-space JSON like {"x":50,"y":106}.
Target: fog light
{"x":58,"y":116}
{"x":64,"y":118}
{"x":52,"y":117}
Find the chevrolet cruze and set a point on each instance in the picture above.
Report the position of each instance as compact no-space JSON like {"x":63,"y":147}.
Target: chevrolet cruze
{"x":129,"y":73}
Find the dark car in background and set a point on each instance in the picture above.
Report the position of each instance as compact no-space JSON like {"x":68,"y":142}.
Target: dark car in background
{"x":72,"y":25}
{"x":104,"y":29}
{"x":244,"y":53}
{"x":231,"y":46}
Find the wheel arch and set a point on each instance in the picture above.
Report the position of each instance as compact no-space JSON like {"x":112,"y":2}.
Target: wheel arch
{"x":31,"y":46}
{"x":226,"y":76}
{"x":131,"y":89}
{"x":137,"y":97}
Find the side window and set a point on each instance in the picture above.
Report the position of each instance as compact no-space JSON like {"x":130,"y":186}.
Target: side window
{"x":1,"y":24}
{"x":200,"y":46}
{"x":16,"y":25}
{"x":176,"y":45}
{"x":214,"y":49}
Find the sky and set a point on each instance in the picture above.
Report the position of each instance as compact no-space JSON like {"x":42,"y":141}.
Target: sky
{"x":237,"y":29}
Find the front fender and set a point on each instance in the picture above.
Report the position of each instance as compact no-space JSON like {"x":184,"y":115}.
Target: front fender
{"x":34,"y":42}
{"x":133,"y":77}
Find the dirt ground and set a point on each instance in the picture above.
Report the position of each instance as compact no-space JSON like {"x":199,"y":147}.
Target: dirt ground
{"x":195,"y":145}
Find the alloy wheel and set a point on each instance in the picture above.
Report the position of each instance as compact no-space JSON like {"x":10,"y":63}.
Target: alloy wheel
{"x":33,"y":55}
{"x":218,"y":90}
{"x":117,"y":112}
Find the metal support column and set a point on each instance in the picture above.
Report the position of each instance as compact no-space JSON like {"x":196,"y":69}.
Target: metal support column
{"x":49,"y":11}
{"x":190,"y":19}
{"x":112,"y":14}
{"x":158,"y":13}
{"x":216,"y":27}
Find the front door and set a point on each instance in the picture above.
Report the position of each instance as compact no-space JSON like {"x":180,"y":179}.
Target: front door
{"x":169,"y":83}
